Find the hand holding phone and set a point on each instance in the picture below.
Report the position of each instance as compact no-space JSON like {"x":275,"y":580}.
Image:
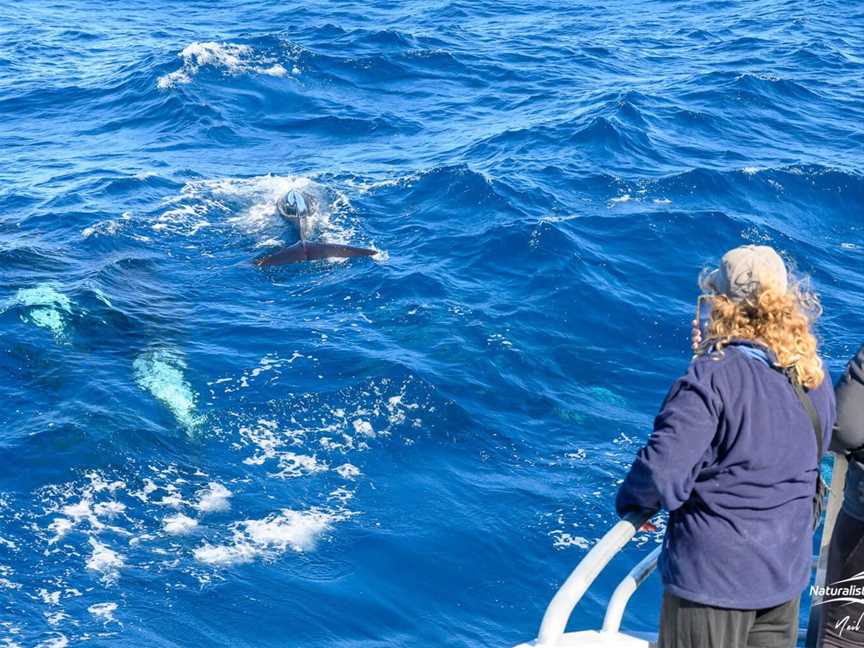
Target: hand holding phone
{"x":695,"y":335}
{"x":700,"y":324}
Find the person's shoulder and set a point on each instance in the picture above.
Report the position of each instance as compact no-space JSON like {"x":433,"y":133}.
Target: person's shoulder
{"x":714,"y":363}
{"x":706,"y":373}
{"x":720,"y":370}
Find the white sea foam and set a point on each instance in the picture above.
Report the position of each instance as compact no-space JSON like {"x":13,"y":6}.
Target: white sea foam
{"x":621,"y":199}
{"x":104,"y":611}
{"x":105,"y":561}
{"x":225,"y":555}
{"x":81,"y":511}
{"x":270,"y":363}
{"x":56,"y":618}
{"x":365,"y":186}
{"x":348,"y":471}
{"x":276,"y":70}
{"x":179,"y":524}
{"x":248,"y":205}
{"x":264,"y":435}
{"x":8,"y":584}
{"x":50,"y":598}
{"x":59,"y":641}
{"x":190,"y":537}
{"x":108,"y":227}
{"x":295,"y":530}
{"x":363,"y":427}
{"x":564,"y":540}
{"x":231,"y":57}
{"x":161,"y":374}
{"x":59,"y":527}
{"x":341,"y":495}
{"x":44,"y":305}
{"x":296,"y":465}
{"x":109,"y":509}
{"x":214,"y":498}
{"x":269,"y":537}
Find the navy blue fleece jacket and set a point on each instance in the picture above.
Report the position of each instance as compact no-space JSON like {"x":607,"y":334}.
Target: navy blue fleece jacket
{"x":733,"y":459}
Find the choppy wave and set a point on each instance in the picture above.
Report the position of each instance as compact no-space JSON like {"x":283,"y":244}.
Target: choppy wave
{"x":231,"y":57}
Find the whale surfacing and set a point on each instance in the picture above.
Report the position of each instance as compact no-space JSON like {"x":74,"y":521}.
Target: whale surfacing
{"x":294,"y":208}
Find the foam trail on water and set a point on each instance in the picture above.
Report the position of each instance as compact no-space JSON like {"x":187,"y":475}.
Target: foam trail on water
{"x":161,"y":374}
{"x":248,"y":206}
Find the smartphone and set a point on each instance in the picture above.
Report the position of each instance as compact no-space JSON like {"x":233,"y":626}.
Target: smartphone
{"x":703,"y":313}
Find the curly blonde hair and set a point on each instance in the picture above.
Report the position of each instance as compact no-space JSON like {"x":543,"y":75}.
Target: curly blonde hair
{"x":780,"y":321}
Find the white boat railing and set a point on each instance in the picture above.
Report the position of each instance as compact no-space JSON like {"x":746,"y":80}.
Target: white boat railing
{"x":626,"y":588}
{"x":568,"y":596}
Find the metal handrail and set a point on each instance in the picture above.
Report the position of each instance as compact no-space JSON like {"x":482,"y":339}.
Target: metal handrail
{"x":568,"y":596}
{"x":621,"y":595}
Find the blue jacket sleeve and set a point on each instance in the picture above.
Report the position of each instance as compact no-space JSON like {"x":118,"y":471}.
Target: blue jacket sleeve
{"x":666,"y":469}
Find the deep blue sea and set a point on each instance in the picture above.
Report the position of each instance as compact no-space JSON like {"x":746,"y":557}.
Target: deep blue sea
{"x":413,"y":449}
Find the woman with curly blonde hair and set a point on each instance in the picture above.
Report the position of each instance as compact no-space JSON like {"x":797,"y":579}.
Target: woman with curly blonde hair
{"x":734,"y":458}
{"x":779,"y":320}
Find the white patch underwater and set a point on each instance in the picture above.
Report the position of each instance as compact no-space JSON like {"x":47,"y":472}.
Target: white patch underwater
{"x":161,"y":374}
{"x":43,"y":305}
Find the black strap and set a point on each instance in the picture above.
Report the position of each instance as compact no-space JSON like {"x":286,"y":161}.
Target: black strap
{"x":807,"y":402}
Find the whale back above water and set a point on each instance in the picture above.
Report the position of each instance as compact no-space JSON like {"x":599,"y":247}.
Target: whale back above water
{"x":295,"y":208}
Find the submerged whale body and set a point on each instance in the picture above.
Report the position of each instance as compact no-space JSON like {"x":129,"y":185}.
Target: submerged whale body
{"x":295,"y":209}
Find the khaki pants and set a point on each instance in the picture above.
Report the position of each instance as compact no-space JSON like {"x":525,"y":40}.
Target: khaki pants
{"x":685,"y":624}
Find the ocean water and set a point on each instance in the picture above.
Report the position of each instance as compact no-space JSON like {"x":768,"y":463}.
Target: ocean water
{"x":407,"y":450}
